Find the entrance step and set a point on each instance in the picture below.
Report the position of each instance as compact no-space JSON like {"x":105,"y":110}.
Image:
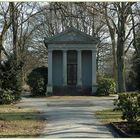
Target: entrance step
{"x":72,"y":91}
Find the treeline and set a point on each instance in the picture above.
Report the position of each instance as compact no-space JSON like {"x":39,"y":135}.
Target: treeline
{"x":23,"y":26}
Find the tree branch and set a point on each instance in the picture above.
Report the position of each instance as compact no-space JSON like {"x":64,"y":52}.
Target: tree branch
{"x":129,"y":46}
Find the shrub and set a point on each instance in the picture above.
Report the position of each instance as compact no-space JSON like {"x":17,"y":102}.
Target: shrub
{"x":11,"y":78}
{"x":37,"y":80}
{"x":129,"y":104}
{"x":106,"y":86}
{"x":6,"y":96}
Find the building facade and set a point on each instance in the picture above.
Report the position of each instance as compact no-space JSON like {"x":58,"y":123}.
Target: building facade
{"x":71,"y":63}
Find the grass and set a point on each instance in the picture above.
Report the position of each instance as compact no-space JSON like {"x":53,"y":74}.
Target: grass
{"x":18,"y":122}
{"x":107,"y":116}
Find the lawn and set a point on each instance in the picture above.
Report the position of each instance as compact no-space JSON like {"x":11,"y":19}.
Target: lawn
{"x":18,"y":122}
{"x":107,"y":116}
{"x":124,"y":128}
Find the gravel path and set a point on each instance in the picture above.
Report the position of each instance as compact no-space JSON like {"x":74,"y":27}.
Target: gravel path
{"x":71,"y":117}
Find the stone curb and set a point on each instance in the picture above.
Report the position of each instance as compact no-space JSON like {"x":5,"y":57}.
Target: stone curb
{"x":119,"y":131}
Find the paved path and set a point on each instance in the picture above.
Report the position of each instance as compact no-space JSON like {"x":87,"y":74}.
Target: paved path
{"x":71,"y":117}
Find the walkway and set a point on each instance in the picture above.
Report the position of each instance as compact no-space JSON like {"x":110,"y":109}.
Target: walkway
{"x":71,"y":117}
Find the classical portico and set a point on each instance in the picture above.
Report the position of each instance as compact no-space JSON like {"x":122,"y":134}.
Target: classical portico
{"x":71,"y":61}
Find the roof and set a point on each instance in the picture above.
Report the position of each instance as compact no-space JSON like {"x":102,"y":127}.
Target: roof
{"x":71,"y":36}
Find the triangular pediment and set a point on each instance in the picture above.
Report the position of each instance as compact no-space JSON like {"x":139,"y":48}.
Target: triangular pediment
{"x":71,"y":35}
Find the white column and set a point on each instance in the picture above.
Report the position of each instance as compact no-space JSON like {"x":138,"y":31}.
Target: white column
{"x":79,"y":70}
{"x":64,"y":68}
{"x":49,"y":87}
{"x":94,"y":84}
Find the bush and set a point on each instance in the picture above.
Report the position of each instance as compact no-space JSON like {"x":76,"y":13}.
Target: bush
{"x":37,"y":80}
{"x":106,"y":86}
{"x":10,"y":73}
{"x":6,"y":96}
{"x":129,"y":104}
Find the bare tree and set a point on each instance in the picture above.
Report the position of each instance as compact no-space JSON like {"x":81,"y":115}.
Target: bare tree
{"x":4,"y":25}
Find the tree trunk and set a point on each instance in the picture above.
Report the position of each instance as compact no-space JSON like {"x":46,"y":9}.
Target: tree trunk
{"x":0,"y":61}
{"x":120,"y":53}
{"x":114,"y":59}
{"x":0,"y":49}
{"x":121,"y":68}
{"x":14,"y":27}
{"x":134,"y":34}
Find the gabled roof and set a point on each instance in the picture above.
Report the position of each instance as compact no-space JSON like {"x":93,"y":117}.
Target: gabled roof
{"x":71,"y":36}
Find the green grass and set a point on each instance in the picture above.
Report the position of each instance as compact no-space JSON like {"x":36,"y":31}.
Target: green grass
{"x":17,"y":122}
{"x":107,"y":116}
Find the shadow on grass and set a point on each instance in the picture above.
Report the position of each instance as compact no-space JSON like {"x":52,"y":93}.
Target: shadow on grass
{"x":21,"y":116}
{"x":19,"y":136}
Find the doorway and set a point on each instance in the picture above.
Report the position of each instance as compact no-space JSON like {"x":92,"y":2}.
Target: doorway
{"x":72,"y":68}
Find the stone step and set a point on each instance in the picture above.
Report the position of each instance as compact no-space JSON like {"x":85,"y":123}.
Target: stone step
{"x":72,"y":91}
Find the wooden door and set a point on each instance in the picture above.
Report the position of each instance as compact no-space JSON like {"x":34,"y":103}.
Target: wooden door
{"x":72,"y":74}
